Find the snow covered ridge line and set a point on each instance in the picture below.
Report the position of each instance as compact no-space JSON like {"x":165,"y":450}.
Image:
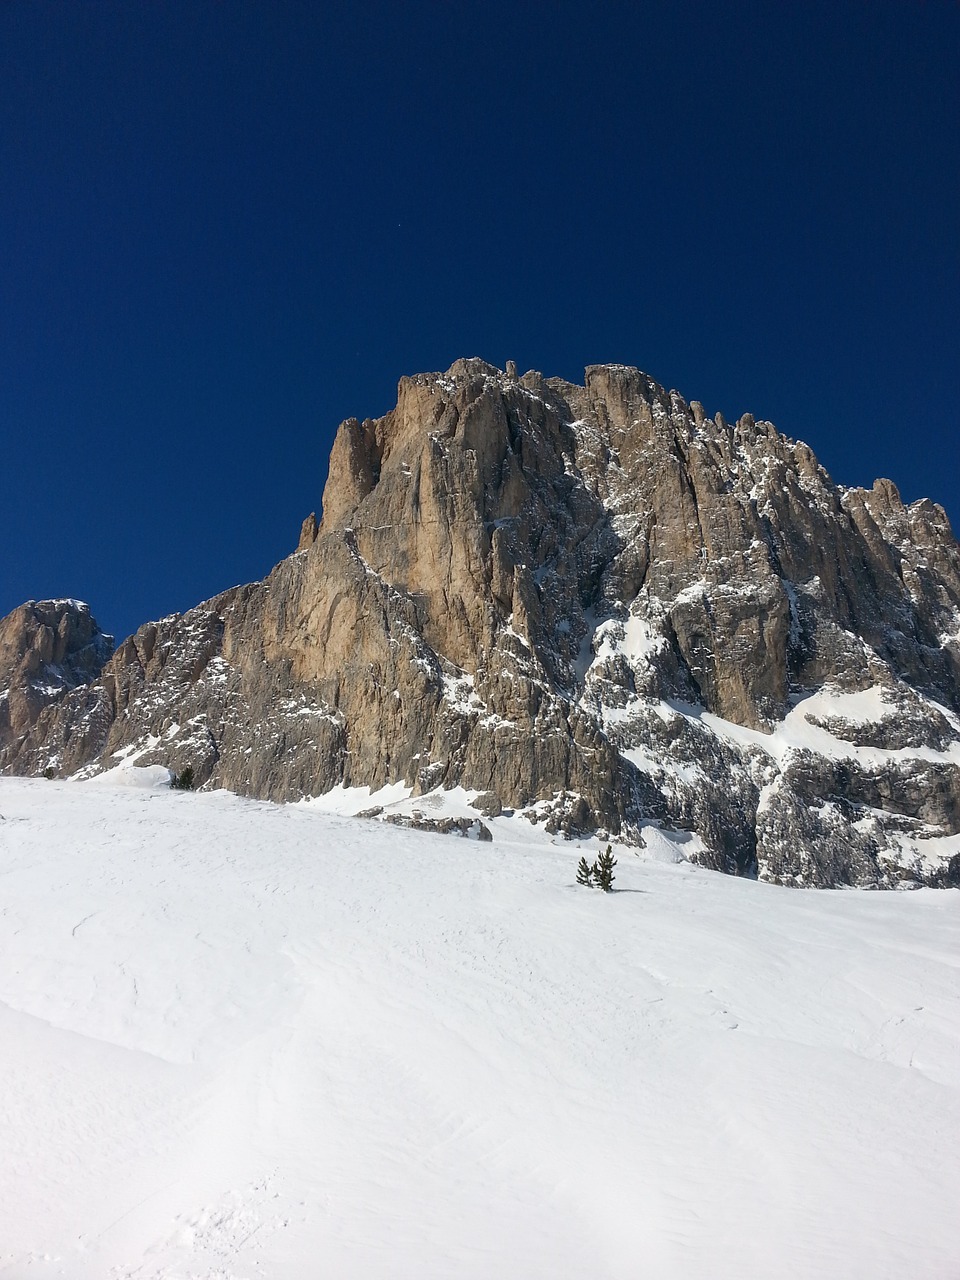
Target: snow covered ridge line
{"x":588,"y":602}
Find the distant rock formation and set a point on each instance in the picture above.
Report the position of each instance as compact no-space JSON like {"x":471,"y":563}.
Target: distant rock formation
{"x":594,"y":603}
{"x":47,"y":648}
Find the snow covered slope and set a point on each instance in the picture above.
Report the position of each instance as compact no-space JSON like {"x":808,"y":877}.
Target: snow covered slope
{"x":239,"y":1040}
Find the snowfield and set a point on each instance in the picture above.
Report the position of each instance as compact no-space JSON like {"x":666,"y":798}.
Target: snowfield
{"x":239,"y":1040}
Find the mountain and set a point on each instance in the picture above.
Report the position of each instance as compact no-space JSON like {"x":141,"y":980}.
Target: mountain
{"x":46,"y":649}
{"x":592,"y":604}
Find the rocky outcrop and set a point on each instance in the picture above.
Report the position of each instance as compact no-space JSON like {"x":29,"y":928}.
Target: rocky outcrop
{"x":594,"y":604}
{"x":47,"y":648}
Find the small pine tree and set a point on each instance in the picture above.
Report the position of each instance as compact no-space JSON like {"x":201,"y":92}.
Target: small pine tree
{"x":183,"y":781}
{"x":584,"y":872}
{"x":603,"y":870}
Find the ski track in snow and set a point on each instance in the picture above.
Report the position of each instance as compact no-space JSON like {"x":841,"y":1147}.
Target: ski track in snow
{"x":240,"y":1040}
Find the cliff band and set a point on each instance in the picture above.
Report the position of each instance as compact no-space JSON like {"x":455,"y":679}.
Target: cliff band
{"x":590,"y":603}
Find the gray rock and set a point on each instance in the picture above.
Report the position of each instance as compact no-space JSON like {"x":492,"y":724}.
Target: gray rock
{"x":47,"y":649}
{"x":488,"y":803}
{"x":471,"y":828}
{"x":538,"y":590}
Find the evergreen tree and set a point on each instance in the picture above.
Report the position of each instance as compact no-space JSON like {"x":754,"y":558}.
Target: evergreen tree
{"x":584,"y":872}
{"x":603,"y":869}
{"x":183,"y":781}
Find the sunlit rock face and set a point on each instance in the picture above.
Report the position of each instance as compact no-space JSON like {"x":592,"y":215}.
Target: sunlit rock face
{"x":594,"y":603}
{"x":47,"y":647}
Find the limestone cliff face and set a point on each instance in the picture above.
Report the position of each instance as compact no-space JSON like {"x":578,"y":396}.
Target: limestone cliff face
{"x":47,"y":647}
{"x":593,"y":601}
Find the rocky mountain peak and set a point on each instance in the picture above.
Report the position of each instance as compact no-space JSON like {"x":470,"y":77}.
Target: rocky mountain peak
{"x":47,"y":647}
{"x":598,"y":604}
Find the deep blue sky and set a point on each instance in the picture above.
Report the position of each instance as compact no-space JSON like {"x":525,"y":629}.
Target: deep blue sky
{"x":225,"y":226}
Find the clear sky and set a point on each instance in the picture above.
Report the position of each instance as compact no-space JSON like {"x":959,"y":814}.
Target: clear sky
{"x":227,"y":225}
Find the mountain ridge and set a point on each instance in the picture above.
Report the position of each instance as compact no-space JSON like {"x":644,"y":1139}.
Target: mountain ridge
{"x":595,"y":604}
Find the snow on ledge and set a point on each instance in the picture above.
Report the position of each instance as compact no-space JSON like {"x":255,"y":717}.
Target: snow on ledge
{"x":147,"y":777}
